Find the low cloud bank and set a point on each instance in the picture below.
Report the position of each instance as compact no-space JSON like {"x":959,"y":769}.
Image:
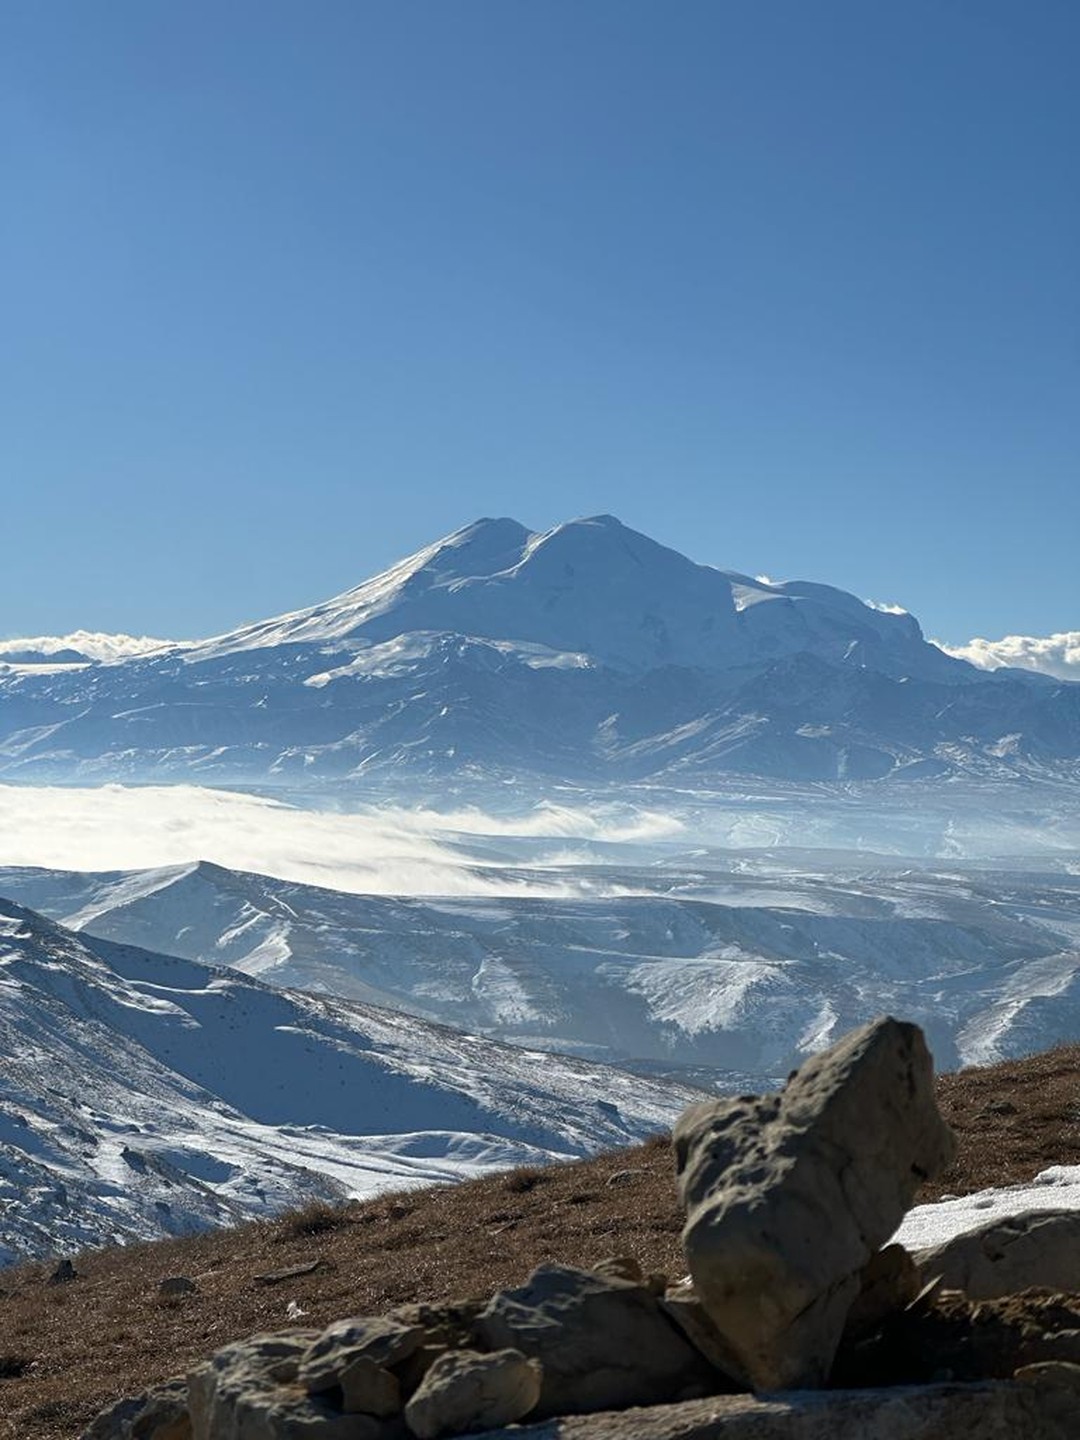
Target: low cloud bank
{"x":90,"y":644}
{"x":117,"y":827}
{"x":612,"y":824}
{"x":1056,"y":655}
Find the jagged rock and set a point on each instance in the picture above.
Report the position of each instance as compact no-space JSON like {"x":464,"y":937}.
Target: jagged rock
{"x":378,"y":1338}
{"x":64,"y":1273}
{"x":410,"y":1372}
{"x":632,"y":1176}
{"x":1062,"y":1373}
{"x":247,"y":1391}
{"x":464,"y":1390}
{"x":692,"y":1319}
{"x":1041,"y":1247}
{"x":368,"y":1389}
{"x":789,"y":1195}
{"x":992,"y":1410}
{"x":1058,"y":1347}
{"x":626,"y":1267}
{"x":160,"y":1413}
{"x":602,"y":1341}
{"x":451,"y":1323}
{"x":887,"y":1282}
{"x":621,"y":1267}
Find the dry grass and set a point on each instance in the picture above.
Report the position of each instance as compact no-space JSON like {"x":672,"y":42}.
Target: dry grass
{"x":66,"y":1351}
{"x":315,"y":1218}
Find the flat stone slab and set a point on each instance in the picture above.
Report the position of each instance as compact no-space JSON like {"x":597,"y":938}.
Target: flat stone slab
{"x":991,"y":1410}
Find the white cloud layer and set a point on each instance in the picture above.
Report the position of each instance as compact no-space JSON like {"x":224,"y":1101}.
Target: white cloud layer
{"x":117,"y":827}
{"x":1057,"y":655}
{"x":607,"y":823}
{"x":93,"y":644}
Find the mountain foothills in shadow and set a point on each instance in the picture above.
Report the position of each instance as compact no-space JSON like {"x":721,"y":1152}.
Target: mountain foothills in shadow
{"x":588,"y":653}
{"x":146,"y":1094}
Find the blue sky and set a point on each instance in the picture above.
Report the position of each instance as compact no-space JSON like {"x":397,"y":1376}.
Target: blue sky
{"x":289,"y":290}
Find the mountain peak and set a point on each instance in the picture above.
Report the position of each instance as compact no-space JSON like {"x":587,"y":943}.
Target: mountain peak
{"x":593,"y":586}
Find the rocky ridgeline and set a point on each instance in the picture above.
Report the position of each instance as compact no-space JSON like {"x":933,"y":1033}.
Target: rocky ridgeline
{"x":794,"y":1324}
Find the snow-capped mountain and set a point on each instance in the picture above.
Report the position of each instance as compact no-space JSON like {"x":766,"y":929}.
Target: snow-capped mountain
{"x":707,"y":965}
{"x":143,"y":1094}
{"x":588,"y":652}
{"x":595,"y":592}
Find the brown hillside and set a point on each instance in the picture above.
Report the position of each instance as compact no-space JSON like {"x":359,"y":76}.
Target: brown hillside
{"x":68,"y":1350}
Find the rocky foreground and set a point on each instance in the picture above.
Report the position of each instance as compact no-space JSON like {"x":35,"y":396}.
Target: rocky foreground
{"x":793,"y":1322}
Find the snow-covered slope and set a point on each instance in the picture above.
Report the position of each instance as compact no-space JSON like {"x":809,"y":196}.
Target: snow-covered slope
{"x":702,"y":966}
{"x":587,"y":652}
{"x":595,"y":588}
{"x":142,"y":1095}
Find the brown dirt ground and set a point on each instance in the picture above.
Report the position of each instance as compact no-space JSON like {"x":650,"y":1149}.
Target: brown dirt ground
{"x":66,"y":1351}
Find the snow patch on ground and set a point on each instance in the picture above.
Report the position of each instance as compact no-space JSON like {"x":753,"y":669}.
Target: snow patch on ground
{"x":1057,"y":1188}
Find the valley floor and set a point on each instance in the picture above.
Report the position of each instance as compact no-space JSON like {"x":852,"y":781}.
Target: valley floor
{"x":66,"y":1350}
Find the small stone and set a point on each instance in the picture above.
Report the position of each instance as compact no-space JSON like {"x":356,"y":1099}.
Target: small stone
{"x":626,"y":1177}
{"x":1061,"y":1373}
{"x":177,"y":1285}
{"x":620,"y":1267}
{"x":64,"y":1274}
{"x":464,"y":1390}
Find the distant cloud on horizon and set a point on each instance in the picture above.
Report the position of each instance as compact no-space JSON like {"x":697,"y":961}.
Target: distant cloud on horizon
{"x":92,"y":644}
{"x":1056,"y":655}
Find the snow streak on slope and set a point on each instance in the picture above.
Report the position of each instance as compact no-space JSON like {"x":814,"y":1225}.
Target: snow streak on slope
{"x":708,"y":963}
{"x":143,"y":1095}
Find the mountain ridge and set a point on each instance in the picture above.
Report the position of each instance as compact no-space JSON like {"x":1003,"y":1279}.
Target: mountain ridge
{"x":146,"y":1094}
{"x":690,"y":614}
{"x":729,"y":967}
{"x":585,"y":652}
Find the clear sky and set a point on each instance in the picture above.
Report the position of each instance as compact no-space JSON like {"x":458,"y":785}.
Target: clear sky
{"x":288,"y":290}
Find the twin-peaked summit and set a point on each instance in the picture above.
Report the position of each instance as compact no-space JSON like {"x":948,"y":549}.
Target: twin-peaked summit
{"x":587,"y":653}
{"x":597,"y":589}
